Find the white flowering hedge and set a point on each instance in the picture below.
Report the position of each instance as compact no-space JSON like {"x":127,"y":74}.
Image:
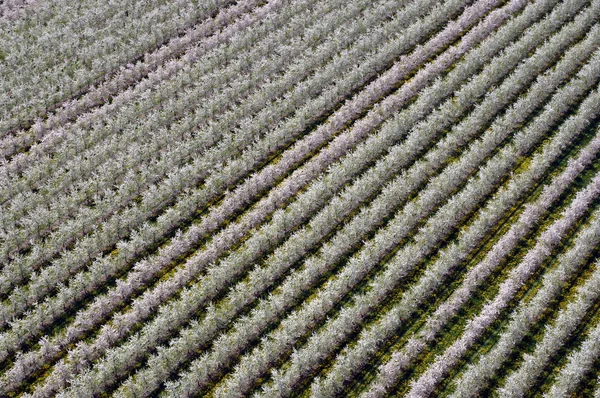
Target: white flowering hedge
{"x":299,"y":198}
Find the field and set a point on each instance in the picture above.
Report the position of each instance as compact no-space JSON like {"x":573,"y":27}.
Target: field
{"x":308,"y":198}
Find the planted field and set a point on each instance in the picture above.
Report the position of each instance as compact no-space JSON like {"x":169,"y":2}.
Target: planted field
{"x":278,"y":198}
